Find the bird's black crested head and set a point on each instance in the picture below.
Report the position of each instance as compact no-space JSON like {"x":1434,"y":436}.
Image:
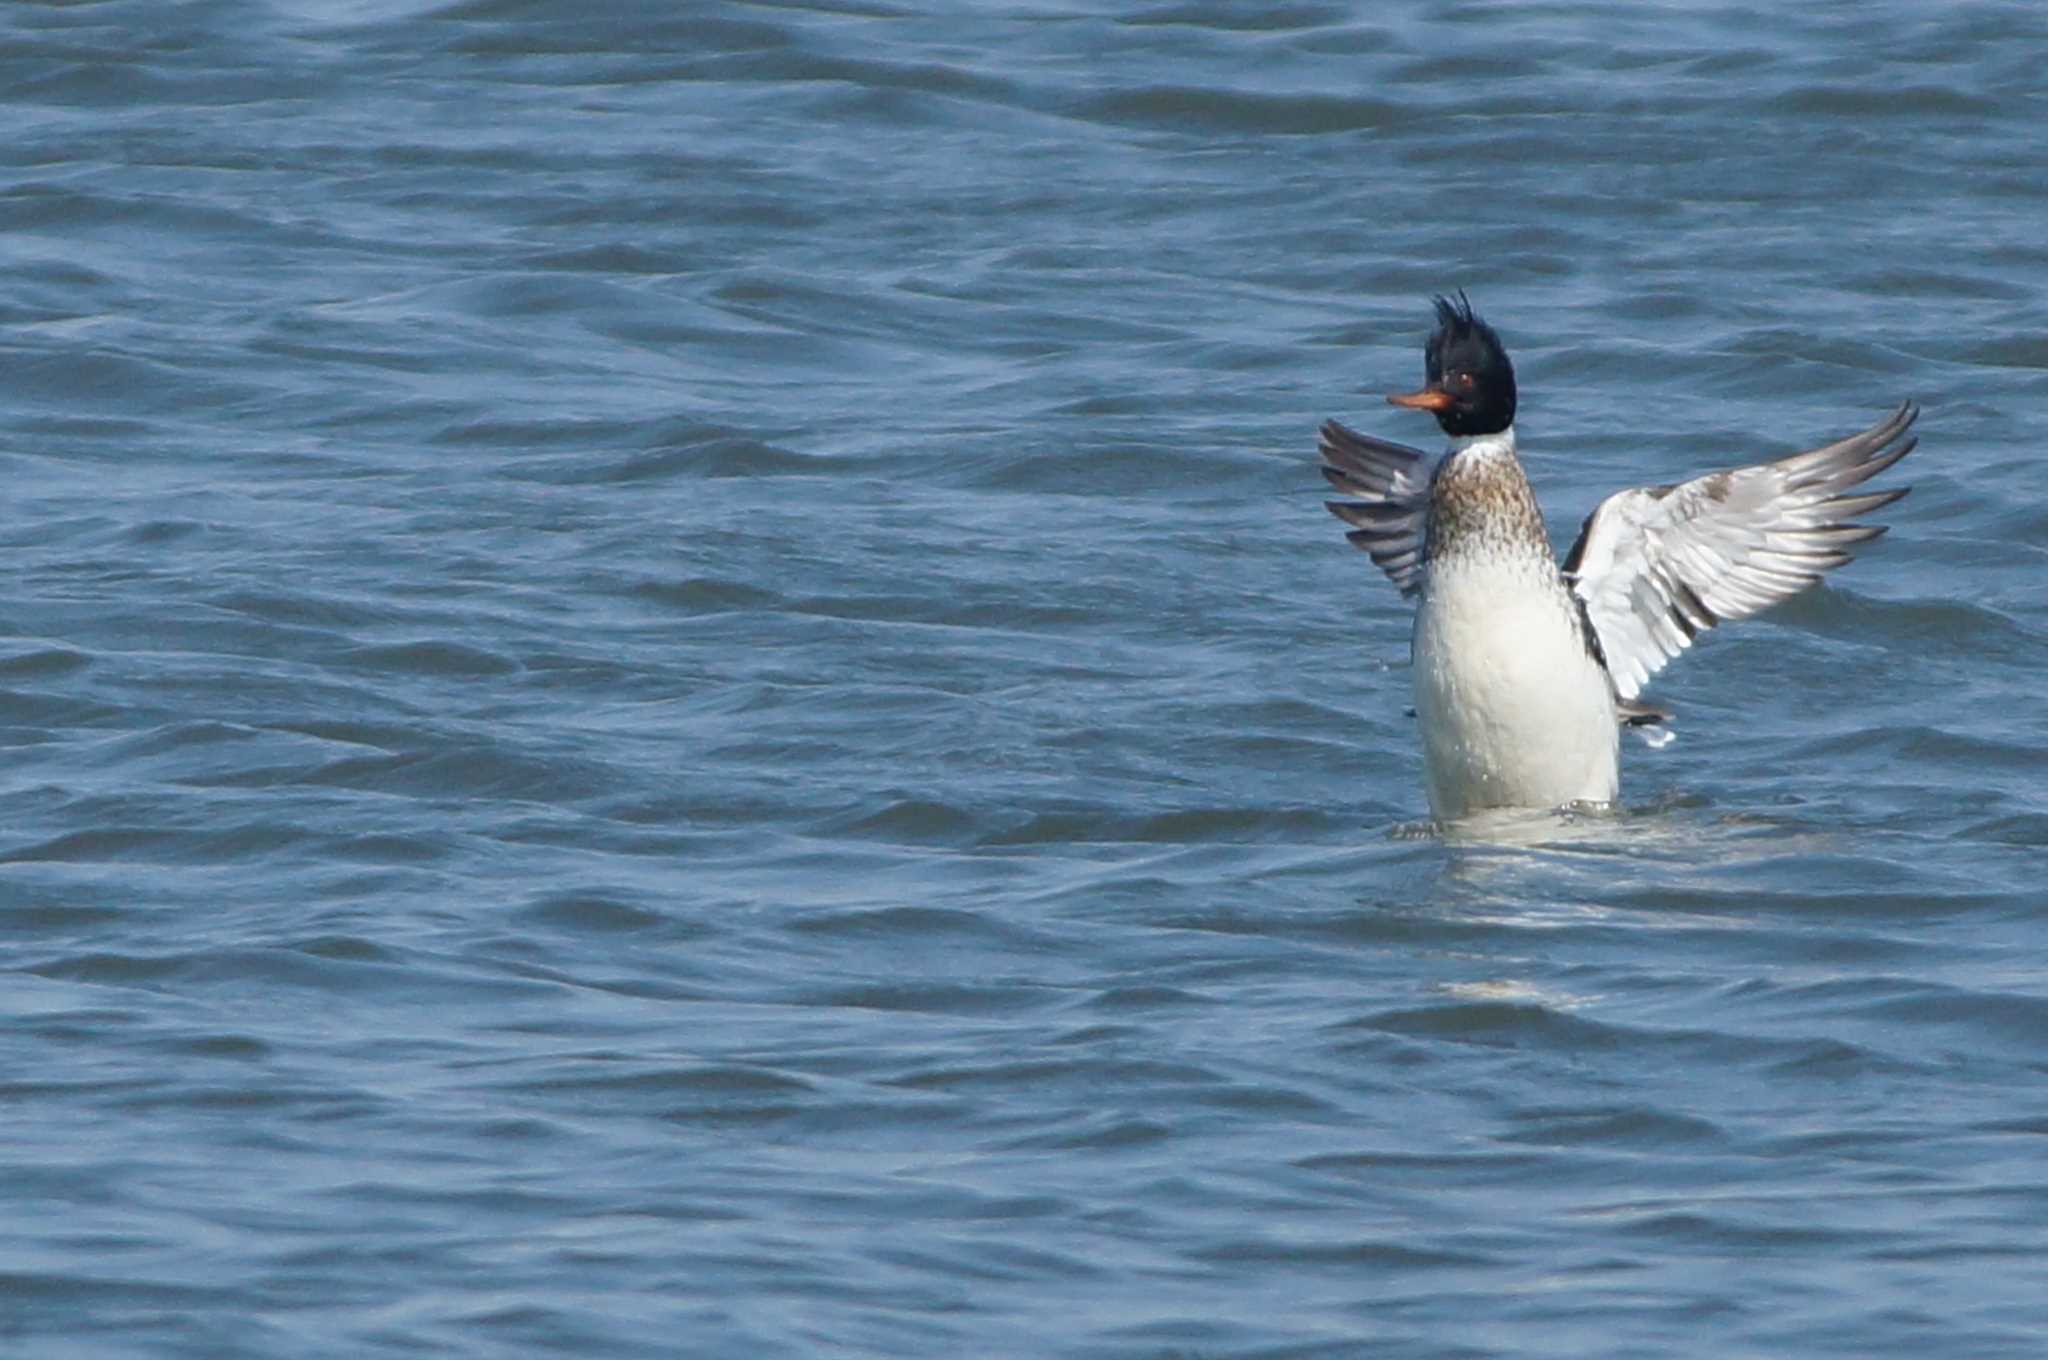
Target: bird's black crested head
{"x":1471,"y":387}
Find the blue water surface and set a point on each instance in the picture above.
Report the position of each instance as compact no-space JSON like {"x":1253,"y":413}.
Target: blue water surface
{"x":672,"y":683}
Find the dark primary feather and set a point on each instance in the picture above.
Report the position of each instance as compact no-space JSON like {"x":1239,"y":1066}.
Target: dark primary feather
{"x":1392,"y":481}
{"x":1655,"y":566}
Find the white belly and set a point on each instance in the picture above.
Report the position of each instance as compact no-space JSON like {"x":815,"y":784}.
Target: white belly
{"x":1514,"y":712}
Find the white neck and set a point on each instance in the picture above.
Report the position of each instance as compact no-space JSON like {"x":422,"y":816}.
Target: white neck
{"x":1485,"y":445}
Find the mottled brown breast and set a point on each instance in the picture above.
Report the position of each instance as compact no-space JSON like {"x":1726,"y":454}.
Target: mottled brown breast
{"x":1483,"y":504}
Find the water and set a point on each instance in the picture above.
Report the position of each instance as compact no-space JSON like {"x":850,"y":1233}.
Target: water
{"x":673,"y":683}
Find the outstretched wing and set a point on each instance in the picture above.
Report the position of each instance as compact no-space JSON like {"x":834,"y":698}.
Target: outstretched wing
{"x":1655,"y":565}
{"x":1392,"y":483}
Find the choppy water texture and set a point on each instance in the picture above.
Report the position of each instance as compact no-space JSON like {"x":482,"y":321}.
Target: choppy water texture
{"x":673,"y":683}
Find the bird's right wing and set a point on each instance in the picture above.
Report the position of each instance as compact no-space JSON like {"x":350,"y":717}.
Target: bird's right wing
{"x":1392,"y":483}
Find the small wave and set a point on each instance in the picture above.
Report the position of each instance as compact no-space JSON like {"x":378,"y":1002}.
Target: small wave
{"x":42,"y":662}
{"x":1241,"y":112}
{"x":430,"y":657}
{"x":1882,"y":100}
{"x":596,"y":913}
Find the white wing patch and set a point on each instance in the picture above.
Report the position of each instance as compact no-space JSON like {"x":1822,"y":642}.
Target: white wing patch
{"x":1656,"y":565}
{"x":1392,"y":482}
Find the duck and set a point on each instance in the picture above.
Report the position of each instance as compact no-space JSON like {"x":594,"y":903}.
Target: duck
{"x":1527,"y":670}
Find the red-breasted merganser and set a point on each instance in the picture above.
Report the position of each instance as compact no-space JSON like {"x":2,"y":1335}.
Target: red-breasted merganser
{"x":1526,"y":672}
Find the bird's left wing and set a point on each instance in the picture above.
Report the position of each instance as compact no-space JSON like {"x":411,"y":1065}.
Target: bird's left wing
{"x":1655,"y":565}
{"x":1392,"y":483}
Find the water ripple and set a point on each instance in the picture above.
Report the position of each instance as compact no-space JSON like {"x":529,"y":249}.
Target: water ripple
{"x":675,"y":682}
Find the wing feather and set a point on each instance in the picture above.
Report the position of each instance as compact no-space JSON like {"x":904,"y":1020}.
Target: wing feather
{"x":1656,"y":566}
{"x":1392,"y":483}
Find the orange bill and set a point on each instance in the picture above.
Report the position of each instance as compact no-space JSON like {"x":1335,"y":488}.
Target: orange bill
{"x":1428,"y":399}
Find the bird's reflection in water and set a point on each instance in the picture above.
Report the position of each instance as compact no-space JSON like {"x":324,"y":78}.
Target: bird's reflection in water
{"x":1572,"y":864}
